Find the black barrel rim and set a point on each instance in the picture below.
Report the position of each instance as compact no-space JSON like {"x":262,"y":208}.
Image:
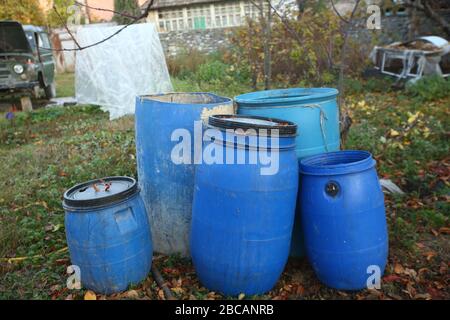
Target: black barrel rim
{"x":70,"y":202}
{"x":230,"y":121}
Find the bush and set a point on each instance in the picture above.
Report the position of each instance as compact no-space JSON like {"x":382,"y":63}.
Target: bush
{"x":311,"y":55}
{"x":186,"y":63}
{"x":211,"y":71}
{"x":429,"y":88}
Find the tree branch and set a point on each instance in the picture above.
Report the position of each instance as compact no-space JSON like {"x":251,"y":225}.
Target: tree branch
{"x":135,"y":19}
{"x":345,"y":119}
{"x":343,"y":54}
{"x":66,"y":27}
{"x":105,"y":10}
{"x":286,"y":24}
{"x":430,"y":13}
{"x":337,"y":12}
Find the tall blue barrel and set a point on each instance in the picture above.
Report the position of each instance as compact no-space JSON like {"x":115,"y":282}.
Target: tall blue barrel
{"x":316,"y":114}
{"x":242,"y":215}
{"x":343,"y":218}
{"x":108,"y":234}
{"x":164,"y":123}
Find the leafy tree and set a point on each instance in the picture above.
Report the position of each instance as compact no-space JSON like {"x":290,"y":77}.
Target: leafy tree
{"x":24,"y":11}
{"x":129,"y":7}
{"x":62,"y":6}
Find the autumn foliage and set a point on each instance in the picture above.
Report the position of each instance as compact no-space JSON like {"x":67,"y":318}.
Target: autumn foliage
{"x":24,"y":11}
{"x":305,"y":51}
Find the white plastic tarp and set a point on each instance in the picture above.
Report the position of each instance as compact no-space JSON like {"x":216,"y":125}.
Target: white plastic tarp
{"x":113,"y":73}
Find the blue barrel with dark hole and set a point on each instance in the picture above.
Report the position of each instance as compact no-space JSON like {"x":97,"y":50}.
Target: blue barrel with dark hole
{"x":316,"y":113}
{"x":243,"y":211}
{"x":108,"y":233}
{"x":343,"y":219}
{"x":165,"y":171}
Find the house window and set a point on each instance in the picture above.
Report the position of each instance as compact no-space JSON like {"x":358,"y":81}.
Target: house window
{"x":227,"y":14}
{"x":252,"y":12}
{"x":171,"y":20}
{"x":199,"y":17}
{"x":218,"y":15}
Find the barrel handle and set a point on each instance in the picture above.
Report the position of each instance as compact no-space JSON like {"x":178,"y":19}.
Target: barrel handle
{"x":125,"y":220}
{"x":322,"y":119}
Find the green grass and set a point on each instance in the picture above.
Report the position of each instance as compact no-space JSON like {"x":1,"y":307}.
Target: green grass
{"x":49,"y":150}
{"x":65,"y":84}
{"x":230,"y":90}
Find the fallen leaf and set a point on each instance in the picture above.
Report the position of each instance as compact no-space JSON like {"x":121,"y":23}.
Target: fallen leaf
{"x":435,"y":294}
{"x":69,"y":297}
{"x":420,"y":245}
{"x":55,"y":287}
{"x":391,"y":278}
{"x":395,"y":296}
{"x":410,"y":272}
{"x":398,"y":268}
{"x":394,"y":133}
{"x":444,"y":230}
{"x":90,"y":295}
{"x":177,"y":290}
{"x":132,"y":294}
{"x":410,"y":290}
{"x":300,"y":290}
{"x":373,"y":294}
{"x":430,"y":255}
{"x":413,"y":117}
{"x":425,"y":296}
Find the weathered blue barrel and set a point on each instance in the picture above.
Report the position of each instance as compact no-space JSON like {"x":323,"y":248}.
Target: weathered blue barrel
{"x":316,"y":114}
{"x":243,"y":210}
{"x":343,"y":218}
{"x":165,"y":143}
{"x":108,"y":233}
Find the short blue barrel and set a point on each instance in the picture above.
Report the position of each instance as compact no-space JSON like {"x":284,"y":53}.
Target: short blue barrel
{"x":168,"y":130}
{"x":343,"y":218}
{"x":108,"y":234}
{"x":316,"y":114}
{"x":244,"y":204}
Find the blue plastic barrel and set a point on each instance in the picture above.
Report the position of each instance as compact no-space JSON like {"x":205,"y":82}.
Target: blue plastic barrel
{"x":343,"y":218}
{"x":108,"y":233}
{"x":242,"y":216}
{"x":163,"y":122}
{"x":316,"y":114}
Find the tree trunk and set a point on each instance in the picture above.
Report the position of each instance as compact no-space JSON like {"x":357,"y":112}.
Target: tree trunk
{"x":268,"y":51}
{"x":413,"y":25}
{"x":252,"y":56}
{"x":427,"y":8}
{"x":432,"y":14}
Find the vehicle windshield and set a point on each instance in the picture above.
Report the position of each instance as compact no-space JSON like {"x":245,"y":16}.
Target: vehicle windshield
{"x":12,"y":39}
{"x":31,"y":39}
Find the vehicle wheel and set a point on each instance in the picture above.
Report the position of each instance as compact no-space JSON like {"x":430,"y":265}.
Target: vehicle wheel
{"x":50,"y":91}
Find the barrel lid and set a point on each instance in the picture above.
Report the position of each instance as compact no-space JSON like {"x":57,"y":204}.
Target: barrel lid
{"x":227,"y":121}
{"x":99,"y":192}
{"x":337,"y":162}
{"x":285,"y":97}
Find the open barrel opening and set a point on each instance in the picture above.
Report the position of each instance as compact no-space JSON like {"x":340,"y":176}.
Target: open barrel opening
{"x":188,"y":98}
